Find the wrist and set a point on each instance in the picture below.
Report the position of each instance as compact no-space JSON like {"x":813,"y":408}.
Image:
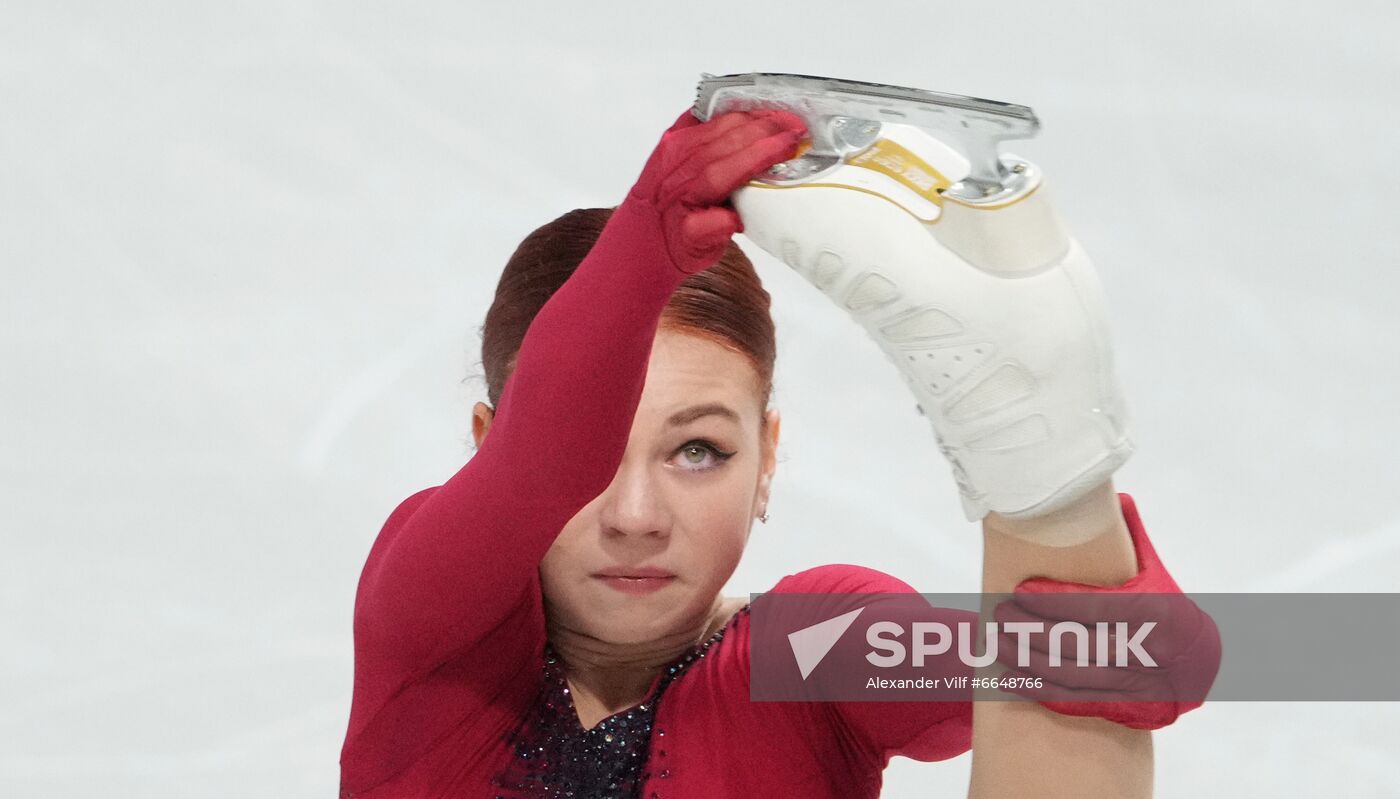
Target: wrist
{"x":632,"y":247}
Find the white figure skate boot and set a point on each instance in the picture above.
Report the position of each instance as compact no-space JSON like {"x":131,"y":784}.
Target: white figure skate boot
{"x":956,"y":264}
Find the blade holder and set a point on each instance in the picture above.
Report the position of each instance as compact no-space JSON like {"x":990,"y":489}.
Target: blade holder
{"x":845,"y":116}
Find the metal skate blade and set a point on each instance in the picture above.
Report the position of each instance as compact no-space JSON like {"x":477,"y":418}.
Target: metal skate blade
{"x":844,"y":116}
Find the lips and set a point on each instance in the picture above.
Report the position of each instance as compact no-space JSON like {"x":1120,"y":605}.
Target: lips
{"x":634,"y":571}
{"x":636,"y":579}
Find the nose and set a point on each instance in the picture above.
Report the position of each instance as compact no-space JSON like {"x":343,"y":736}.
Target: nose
{"x":632,"y":505}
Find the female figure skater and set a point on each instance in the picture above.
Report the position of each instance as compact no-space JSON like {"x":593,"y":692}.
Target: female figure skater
{"x":548,"y":622}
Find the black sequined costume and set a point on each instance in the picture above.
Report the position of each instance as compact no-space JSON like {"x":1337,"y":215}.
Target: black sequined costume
{"x":556,"y":757}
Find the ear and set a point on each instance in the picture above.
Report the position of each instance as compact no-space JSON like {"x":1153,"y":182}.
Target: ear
{"x":482,"y":416}
{"x":768,"y":440}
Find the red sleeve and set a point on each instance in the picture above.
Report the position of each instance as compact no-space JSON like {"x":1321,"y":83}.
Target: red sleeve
{"x":919,"y":730}
{"x":454,"y":572}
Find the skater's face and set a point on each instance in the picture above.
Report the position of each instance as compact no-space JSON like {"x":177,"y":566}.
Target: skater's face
{"x":695,"y":474}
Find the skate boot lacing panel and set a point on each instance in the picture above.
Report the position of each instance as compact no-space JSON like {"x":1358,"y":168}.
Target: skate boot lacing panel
{"x":870,"y":291}
{"x":941,"y":368}
{"x":1006,"y":386}
{"x":930,"y":347}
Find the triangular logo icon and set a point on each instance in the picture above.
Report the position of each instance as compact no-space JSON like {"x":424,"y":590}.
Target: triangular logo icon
{"x":810,"y":644}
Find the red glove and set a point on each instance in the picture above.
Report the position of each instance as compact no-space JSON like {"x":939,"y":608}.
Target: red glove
{"x":685,"y":186}
{"x":1184,"y":642}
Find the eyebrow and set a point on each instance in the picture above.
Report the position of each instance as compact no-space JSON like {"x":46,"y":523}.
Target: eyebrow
{"x":696,"y":411}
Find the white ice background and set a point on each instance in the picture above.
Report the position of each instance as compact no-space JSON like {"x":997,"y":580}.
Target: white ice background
{"x":246,"y":247}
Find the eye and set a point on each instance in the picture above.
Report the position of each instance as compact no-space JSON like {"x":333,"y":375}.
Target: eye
{"x":700,"y":455}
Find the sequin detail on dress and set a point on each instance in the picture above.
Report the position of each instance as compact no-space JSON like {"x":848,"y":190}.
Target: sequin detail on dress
{"x":555,"y":757}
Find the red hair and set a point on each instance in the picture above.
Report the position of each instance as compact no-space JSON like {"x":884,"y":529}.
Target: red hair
{"x":725,"y":303}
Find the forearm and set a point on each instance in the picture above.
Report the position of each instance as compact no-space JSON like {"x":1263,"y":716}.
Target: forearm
{"x":460,"y":562}
{"x":565,"y":413}
{"x":1021,"y":748}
